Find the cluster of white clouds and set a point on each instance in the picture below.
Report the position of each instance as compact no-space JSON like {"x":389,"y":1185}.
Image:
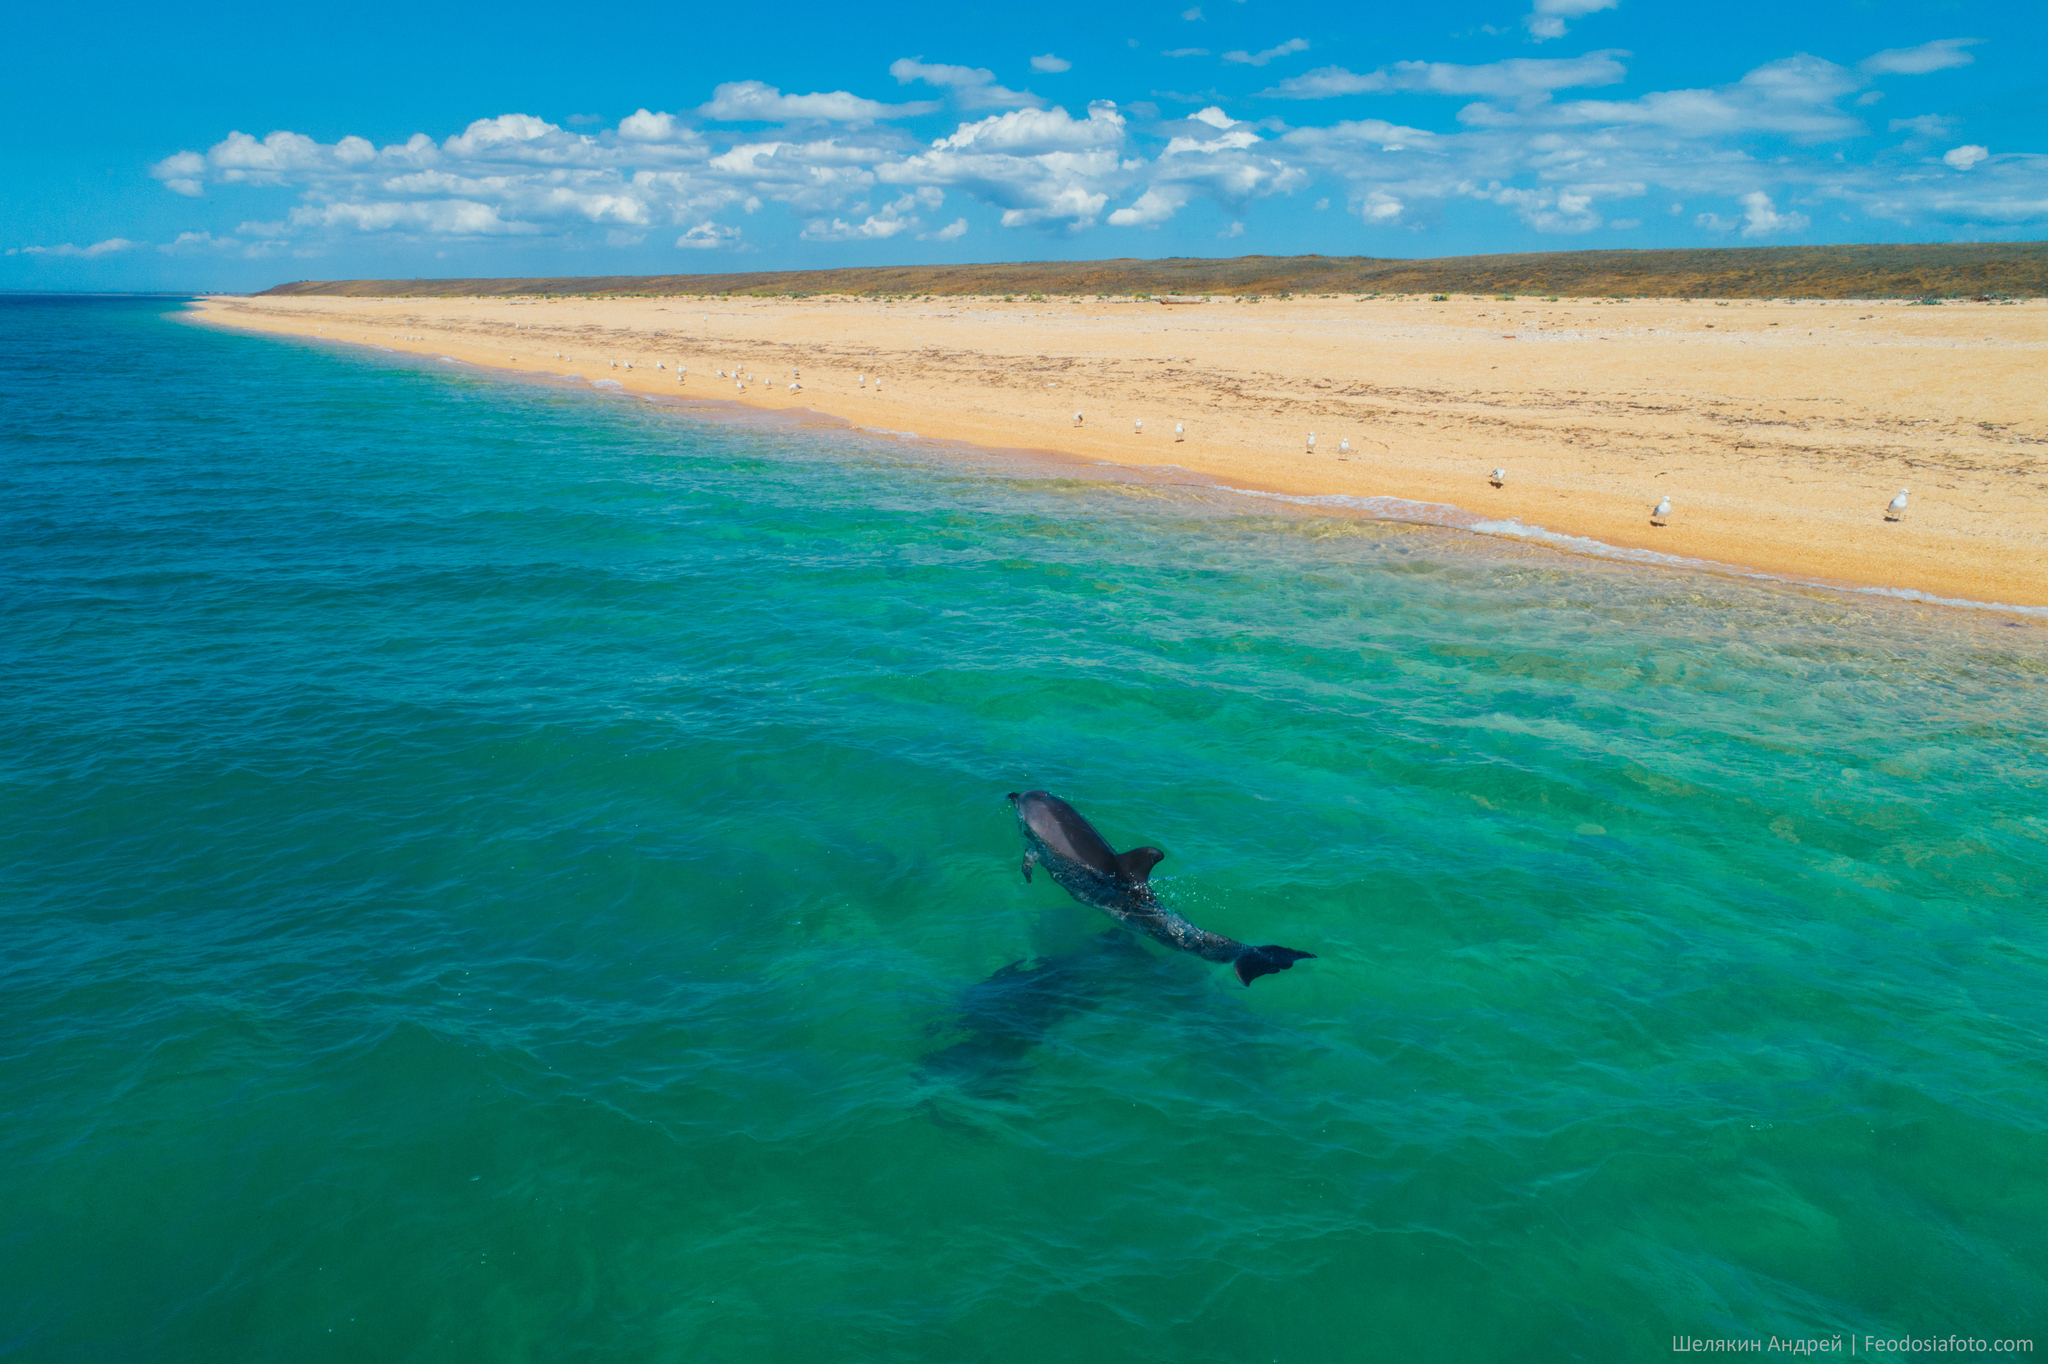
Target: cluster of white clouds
{"x":845,"y":168}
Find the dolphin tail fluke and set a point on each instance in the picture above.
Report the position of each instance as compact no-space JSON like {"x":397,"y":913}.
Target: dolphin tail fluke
{"x":1254,"y":962}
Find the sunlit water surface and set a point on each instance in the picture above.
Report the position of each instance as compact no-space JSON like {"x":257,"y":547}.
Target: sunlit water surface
{"x":496,"y":871}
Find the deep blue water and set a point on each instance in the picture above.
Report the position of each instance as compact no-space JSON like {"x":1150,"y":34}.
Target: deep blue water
{"x":497,"y":871}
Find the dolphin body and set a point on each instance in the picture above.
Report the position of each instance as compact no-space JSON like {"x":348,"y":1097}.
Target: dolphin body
{"x":1082,"y":864}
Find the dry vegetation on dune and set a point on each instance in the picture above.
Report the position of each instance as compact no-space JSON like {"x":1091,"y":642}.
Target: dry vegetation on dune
{"x":1962,"y":269}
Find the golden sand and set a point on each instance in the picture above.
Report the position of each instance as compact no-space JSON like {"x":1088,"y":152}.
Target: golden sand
{"x":1780,"y":431}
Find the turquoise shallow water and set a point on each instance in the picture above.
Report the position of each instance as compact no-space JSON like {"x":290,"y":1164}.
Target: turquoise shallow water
{"x":501,"y":872}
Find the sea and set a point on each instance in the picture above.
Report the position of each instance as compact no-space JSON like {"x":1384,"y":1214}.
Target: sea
{"x":501,"y":869}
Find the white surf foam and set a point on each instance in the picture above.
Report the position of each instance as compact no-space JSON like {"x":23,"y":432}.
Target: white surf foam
{"x":1458,"y":518}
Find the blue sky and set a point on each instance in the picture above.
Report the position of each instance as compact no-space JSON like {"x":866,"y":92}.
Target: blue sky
{"x":154,"y":150}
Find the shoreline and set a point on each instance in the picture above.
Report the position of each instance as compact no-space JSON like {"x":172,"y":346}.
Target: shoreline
{"x":1779,"y":430}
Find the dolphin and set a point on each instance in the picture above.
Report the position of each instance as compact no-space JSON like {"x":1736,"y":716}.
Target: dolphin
{"x":1082,"y":864}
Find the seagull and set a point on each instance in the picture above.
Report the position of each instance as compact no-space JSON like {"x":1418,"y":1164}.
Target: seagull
{"x":794,"y":386}
{"x":1138,"y":426}
{"x":1500,"y":476}
{"x":1077,"y":419}
{"x":1311,"y":442}
{"x":863,"y":381}
{"x":1897,"y":510}
{"x":1180,"y":431}
{"x":1661,"y":511}
{"x":878,"y":385}
{"x":1344,"y":446}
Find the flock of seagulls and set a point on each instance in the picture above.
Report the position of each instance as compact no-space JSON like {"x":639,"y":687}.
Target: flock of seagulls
{"x":1660,"y":515}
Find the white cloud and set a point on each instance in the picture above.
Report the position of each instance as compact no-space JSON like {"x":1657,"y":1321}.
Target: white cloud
{"x":1039,"y":130}
{"x":830,"y":159}
{"x":1152,"y":208}
{"x":1547,"y":19}
{"x":1926,"y":125}
{"x":1192,"y":15}
{"x":1761,"y":219}
{"x":1938,"y":55}
{"x":1516,"y":78}
{"x":110,"y":246}
{"x":1380,"y":208}
{"x":206,"y":244}
{"x":1234,"y":230}
{"x":182,"y":173}
{"x":895,"y":217}
{"x":1039,"y":166}
{"x":1795,"y":96}
{"x":708,"y":236}
{"x":951,"y":232}
{"x":973,"y":87}
{"x":1050,"y":63}
{"x":1546,"y":209}
{"x":1292,"y":45}
{"x":756,"y":102}
{"x":1185,"y":52}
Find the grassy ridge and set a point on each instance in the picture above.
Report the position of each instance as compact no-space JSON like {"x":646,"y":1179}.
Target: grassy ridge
{"x":1913,"y":271}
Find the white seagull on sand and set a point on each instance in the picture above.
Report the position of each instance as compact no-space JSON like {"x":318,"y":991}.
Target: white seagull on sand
{"x":1344,"y":446}
{"x":1138,"y":426}
{"x":1311,"y":442}
{"x":1500,"y":476}
{"x":1897,"y":510}
{"x":1077,"y":419}
{"x":1662,"y":511}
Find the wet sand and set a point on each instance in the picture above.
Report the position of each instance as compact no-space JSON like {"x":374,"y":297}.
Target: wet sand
{"x":1779,"y":430}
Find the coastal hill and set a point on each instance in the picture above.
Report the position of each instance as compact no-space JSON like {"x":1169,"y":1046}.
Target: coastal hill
{"x":1966,"y":269}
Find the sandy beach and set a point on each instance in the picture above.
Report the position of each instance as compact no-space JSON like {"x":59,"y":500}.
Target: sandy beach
{"x":1779,"y":430}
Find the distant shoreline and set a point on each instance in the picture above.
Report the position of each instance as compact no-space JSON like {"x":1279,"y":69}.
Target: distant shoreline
{"x":1937,"y":270}
{"x":1779,"y":430}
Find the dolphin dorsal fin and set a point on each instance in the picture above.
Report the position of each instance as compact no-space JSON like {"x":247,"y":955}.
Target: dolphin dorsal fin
{"x":1137,"y":864}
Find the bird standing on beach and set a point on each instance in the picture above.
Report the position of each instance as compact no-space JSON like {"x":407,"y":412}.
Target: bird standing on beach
{"x":1077,"y":419}
{"x":863,"y":381}
{"x":1180,"y":431}
{"x":1311,"y":442}
{"x":1138,"y":426}
{"x":1897,"y":510}
{"x":1500,"y":476}
{"x":1344,"y":446}
{"x":1660,"y":513}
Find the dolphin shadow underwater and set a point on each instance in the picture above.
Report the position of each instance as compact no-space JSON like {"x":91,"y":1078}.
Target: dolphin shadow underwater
{"x":1009,"y":1014}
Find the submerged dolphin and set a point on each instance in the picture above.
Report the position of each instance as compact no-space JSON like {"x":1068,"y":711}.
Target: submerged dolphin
{"x":1083,"y":865}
